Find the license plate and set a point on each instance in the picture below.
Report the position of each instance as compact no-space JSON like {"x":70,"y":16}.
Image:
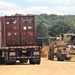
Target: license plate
{"x":36,"y":53}
{"x":12,"y":54}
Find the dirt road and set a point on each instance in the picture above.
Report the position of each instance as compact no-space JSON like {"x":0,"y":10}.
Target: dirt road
{"x":46,"y":67}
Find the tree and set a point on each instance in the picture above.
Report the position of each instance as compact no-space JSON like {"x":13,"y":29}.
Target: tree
{"x":41,"y":30}
{"x":55,"y":24}
{"x":59,"y":27}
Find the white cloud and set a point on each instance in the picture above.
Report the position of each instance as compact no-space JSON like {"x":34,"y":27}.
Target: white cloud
{"x":63,"y":10}
{"x":7,"y":8}
{"x":54,"y":1}
{"x":60,"y":10}
{"x":7,"y":5}
{"x":10,"y":9}
{"x":37,"y":10}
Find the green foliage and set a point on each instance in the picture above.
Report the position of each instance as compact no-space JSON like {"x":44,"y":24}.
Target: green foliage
{"x":41,"y":30}
{"x":52,"y":25}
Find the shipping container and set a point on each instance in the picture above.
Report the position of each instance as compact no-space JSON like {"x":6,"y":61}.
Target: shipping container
{"x":17,"y":40}
{"x":18,"y":30}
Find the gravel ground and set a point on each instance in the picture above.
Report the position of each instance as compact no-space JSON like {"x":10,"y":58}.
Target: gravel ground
{"x":46,"y":67}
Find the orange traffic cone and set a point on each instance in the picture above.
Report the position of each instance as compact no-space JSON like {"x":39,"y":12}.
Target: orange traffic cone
{"x":43,"y":53}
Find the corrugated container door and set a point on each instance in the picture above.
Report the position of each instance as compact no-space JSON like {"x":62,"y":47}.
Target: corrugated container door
{"x":31,"y":30}
{"x":12,"y":31}
{"x":8,"y":31}
{"x":31,"y":34}
{"x":15,"y":31}
{"x":27,"y":30}
{"x":23,"y":31}
{"x":0,"y":35}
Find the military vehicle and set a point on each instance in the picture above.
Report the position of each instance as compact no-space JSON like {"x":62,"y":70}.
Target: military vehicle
{"x":62,"y":47}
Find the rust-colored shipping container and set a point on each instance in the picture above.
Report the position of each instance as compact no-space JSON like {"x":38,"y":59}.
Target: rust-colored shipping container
{"x":27,"y":30}
{"x":17,"y":31}
{"x":17,"y":40}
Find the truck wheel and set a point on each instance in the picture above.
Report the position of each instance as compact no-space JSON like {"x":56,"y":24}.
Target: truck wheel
{"x":22,"y":61}
{"x":68,"y":58}
{"x":49,"y":54}
{"x":12,"y":63}
{"x":52,"y":53}
{"x":31,"y":61}
{"x":60,"y":57}
{"x":38,"y":62}
{"x":6,"y":62}
{"x":1,"y":60}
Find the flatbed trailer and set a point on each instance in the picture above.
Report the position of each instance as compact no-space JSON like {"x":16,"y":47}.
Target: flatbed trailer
{"x":9,"y":55}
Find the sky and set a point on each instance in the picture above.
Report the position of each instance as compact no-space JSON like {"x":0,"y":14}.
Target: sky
{"x":59,"y":7}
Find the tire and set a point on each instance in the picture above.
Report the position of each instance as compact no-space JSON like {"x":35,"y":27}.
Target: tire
{"x":52,"y":53}
{"x":38,"y":62}
{"x":2,"y":60}
{"x":6,"y":62}
{"x":60,"y":57}
{"x":31,"y":61}
{"x":34,"y":61}
{"x":22,"y":61}
{"x":49,"y":54}
{"x":12,"y":63}
{"x":68,"y":58}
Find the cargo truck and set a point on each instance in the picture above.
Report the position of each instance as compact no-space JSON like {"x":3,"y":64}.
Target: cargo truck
{"x":62,"y":47}
{"x":17,"y":40}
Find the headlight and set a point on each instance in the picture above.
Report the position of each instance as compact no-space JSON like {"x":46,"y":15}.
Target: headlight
{"x":36,"y":53}
{"x":12,"y":54}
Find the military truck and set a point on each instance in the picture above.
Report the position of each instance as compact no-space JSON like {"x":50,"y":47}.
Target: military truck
{"x":62,"y":47}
